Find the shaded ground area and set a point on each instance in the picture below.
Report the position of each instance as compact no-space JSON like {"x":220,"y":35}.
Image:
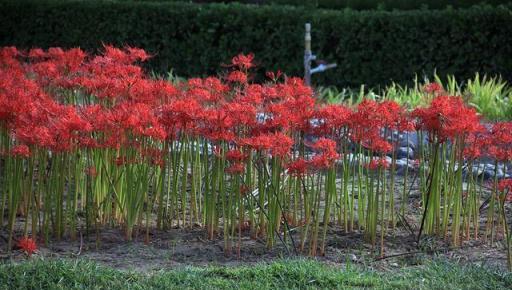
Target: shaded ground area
{"x":177,"y":247}
{"x":190,"y":246}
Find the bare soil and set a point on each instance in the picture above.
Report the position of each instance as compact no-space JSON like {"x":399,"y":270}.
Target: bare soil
{"x":189,"y":246}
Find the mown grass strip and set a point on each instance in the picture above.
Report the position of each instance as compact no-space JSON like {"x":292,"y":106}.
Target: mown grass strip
{"x":284,"y":274}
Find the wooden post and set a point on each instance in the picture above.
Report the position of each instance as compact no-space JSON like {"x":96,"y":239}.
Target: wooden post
{"x":307,"y":55}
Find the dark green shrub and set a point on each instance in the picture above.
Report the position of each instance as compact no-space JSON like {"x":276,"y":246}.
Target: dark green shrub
{"x":371,"y":47}
{"x":357,"y":4}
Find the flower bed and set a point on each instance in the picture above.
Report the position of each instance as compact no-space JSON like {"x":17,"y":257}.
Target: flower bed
{"x":93,"y":141}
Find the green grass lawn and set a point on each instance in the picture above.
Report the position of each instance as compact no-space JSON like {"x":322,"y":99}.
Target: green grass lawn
{"x":284,"y":274}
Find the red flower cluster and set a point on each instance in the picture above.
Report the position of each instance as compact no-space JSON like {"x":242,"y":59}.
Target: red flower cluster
{"x":97,"y":112}
{"x":505,"y":187}
{"x":236,"y":157}
{"x":324,"y":159}
{"x":377,"y":163}
{"x":494,"y":142}
{"x":327,"y":153}
{"x":447,"y":118}
{"x":243,"y":61}
{"x":66,"y":100}
{"x":21,"y":151}
{"x":28,"y":245}
{"x":373,"y":121}
{"x":499,"y":141}
{"x":433,"y":88}
{"x":297,"y":167}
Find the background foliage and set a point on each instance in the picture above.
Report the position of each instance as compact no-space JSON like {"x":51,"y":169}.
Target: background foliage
{"x":370,"y":47}
{"x":358,"y":4}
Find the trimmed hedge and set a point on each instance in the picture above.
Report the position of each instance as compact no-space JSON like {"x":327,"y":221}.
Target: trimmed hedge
{"x":388,"y":4}
{"x":372,"y":47}
{"x":359,"y":4}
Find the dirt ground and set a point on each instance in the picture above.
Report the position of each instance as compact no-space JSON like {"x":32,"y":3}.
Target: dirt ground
{"x":179,"y":247}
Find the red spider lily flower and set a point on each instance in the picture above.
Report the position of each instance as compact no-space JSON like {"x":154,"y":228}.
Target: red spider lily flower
{"x":115,"y":53}
{"x":157,"y":132}
{"x":209,"y":90}
{"x":327,"y":154}
{"x":301,"y":110}
{"x":37,"y":53}
{"x":155,"y":156}
{"x":278,"y":144}
{"x":91,"y":171}
{"x":252,"y":94}
{"x":160,"y":162}
{"x":278,"y":118}
{"x":28,"y":245}
{"x":9,"y":59}
{"x":260,"y":143}
{"x":217,"y":125}
{"x":55,"y":52}
{"x":35,"y":135}
{"x":377,"y":163}
{"x":447,"y":118}
{"x":321,"y":161}
{"x":332,"y":118}
{"x":140,"y":91}
{"x":138,"y":119}
{"x":235,"y":156}
{"x":274,"y":76}
{"x":297,"y":167}
{"x":476,"y":144}
{"x":499,"y":144}
{"x":121,"y":160}
{"x":242,"y":114}
{"x":181,"y":115}
{"x":242,"y":61}
{"x":433,"y":88}
{"x":237,"y":77}
{"x":281,"y":144}
{"x":378,"y":145}
{"x":215,"y":85}
{"x":367,"y":122}
{"x":394,"y":116}
{"x":19,"y":96}
{"x":371,"y":117}
{"x":9,"y":52}
{"x":202,"y":95}
{"x":21,"y":151}
{"x":295,"y":87}
{"x":244,"y":189}
{"x":235,"y":168}
{"x":164,"y":91}
{"x":70,"y":121}
{"x":127,"y":56}
{"x":270,"y":94}
{"x":137,"y":54}
{"x":505,"y":185}
{"x":57,"y":67}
